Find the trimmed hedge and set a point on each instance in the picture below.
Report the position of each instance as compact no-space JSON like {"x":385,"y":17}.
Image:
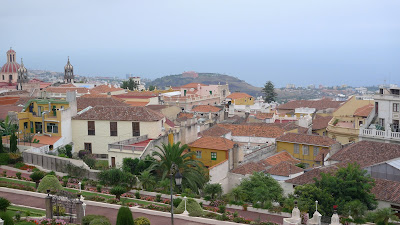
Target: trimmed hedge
{"x":142,"y":221}
{"x":8,"y":220}
{"x":192,"y":207}
{"x":86,"y":220}
{"x":100,"y":221}
{"x":49,"y":182}
{"x":124,"y":216}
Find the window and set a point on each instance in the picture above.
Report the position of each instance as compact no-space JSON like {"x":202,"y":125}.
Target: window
{"x":382,"y":122}
{"x":296,"y":149}
{"x":305,"y":149}
{"x":52,"y":128}
{"x":88,"y":147}
{"x":316,"y":150}
{"x":3,"y":77}
{"x":395,"y":107}
{"x":135,"y":129}
{"x":360,"y":123}
{"x":198,"y":154}
{"x":25,"y":125}
{"x":113,"y":129}
{"x":91,"y":128}
{"x":213,"y":156}
{"x":38,"y":127}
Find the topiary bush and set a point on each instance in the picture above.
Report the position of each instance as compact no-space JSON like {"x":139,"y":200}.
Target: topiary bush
{"x":90,"y":160}
{"x":37,"y":176}
{"x":68,"y":151}
{"x":4,"y":203}
{"x":100,"y":221}
{"x":192,"y":207}
{"x":142,"y":221}
{"x":6,"y":216}
{"x":49,"y":182}
{"x":4,"y":159}
{"x":89,"y":218}
{"x":124,"y":216}
{"x":176,"y":202}
{"x":117,"y":191}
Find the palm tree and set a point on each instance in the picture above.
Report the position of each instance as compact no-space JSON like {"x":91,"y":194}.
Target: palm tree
{"x":192,"y":170}
{"x":7,"y":127}
{"x":147,"y":180}
{"x":383,"y":215}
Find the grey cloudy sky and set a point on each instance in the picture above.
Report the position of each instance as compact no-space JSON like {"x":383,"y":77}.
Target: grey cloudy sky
{"x":295,"y":41}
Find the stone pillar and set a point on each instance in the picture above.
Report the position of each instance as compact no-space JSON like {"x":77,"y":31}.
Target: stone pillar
{"x":79,"y":212}
{"x":49,"y":207}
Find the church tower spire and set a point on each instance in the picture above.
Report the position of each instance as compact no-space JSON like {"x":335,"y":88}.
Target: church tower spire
{"x":22,"y":76}
{"x":68,"y":73}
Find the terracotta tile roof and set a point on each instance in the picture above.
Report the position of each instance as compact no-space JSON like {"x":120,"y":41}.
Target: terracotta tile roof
{"x":323,"y":152}
{"x":387,"y":190}
{"x":80,"y":90}
{"x":320,"y":122}
{"x":43,"y":139}
{"x":254,"y":130}
{"x":308,"y":176}
{"x":169,"y":123}
{"x":105,"y":89}
{"x":4,"y":109}
{"x":192,"y":85}
{"x":206,"y":108}
{"x":120,"y":113}
{"x":138,"y":94}
{"x":284,"y":169}
{"x":8,"y":100}
{"x":23,"y":100}
{"x":157,"y":107}
{"x":83,"y":103}
{"x":214,"y":131}
{"x":263,"y":116}
{"x":67,"y":85}
{"x":217,"y":143}
{"x":237,"y":95}
{"x":367,"y":153}
{"x":131,"y":103}
{"x":364,"y":111}
{"x":307,"y":139}
{"x":185,"y":115}
{"x":249,"y":168}
{"x":324,"y":103}
{"x":94,"y":95}
{"x":283,"y":156}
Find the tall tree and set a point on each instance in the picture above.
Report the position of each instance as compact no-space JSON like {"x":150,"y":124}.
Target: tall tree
{"x":7,"y":127}
{"x":130,"y":84}
{"x":269,"y":92}
{"x":193,"y":171}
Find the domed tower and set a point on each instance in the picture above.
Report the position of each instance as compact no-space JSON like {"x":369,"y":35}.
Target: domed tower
{"x":68,"y":73}
{"x":9,"y":71}
{"x":22,"y":76}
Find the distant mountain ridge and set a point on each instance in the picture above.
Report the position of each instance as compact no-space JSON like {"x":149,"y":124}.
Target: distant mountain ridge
{"x":235,"y":84}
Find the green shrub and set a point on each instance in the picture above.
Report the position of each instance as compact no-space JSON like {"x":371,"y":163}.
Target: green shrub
{"x":49,"y":182}
{"x":112,"y":201}
{"x":100,"y":221}
{"x":192,"y":206}
{"x":65,"y":181}
{"x":117,"y":191}
{"x":51,"y":173}
{"x":90,"y":160}
{"x":158,"y":198}
{"x":58,"y":210}
{"x":4,"y":203}
{"x":99,"y":187}
{"x":26,"y":223}
{"x":142,"y":221}
{"x":221,"y":209}
{"x":89,"y":218}
{"x":36,"y":177}
{"x":19,"y":165}
{"x":82,"y":153}
{"x":4,"y":159}
{"x":6,"y":216}
{"x":176,"y":202}
{"x":4,"y":173}
{"x":124,"y":216}
{"x":18,"y":174}
{"x":137,"y":194}
{"x":68,"y":151}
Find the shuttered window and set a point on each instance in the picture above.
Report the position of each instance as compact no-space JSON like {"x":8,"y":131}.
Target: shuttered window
{"x":296,"y":149}
{"x":91,"y":128}
{"x":113,"y":129}
{"x":135,"y":129}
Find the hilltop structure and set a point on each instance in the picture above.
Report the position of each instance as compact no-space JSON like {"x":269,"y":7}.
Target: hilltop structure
{"x":9,"y":71}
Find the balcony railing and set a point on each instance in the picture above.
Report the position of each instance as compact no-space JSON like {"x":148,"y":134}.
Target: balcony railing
{"x":388,"y":134}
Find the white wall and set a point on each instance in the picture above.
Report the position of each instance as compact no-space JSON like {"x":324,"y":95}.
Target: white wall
{"x":254,"y":140}
{"x":219,"y":174}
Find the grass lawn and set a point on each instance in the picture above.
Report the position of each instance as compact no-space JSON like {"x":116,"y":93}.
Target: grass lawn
{"x":29,"y":183}
{"x":101,"y":164}
{"x":25,"y":211}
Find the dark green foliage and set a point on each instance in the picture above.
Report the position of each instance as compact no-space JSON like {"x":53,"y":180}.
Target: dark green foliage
{"x":142,"y":221}
{"x":261,"y":187}
{"x":221,"y":209}
{"x":4,"y":158}
{"x":129,"y":84}
{"x":82,"y":153}
{"x":158,"y":198}
{"x":382,"y":216}
{"x":136,"y":166}
{"x":137,"y":195}
{"x":269,"y":92}
{"x":13,"y":143}
{"x":151,"y":88}
{"x":90,"y":160}
{"x":49,"y":182}
{"x":51,"y":173}
{"x":193,"y":171}
{"x":176,"y":202}
{"x":124,"y":216}
{"x":112,"y":177}
{"x":117,"y":191}
{"x":99,"y":187}
{"x":18,"y":174}
{"x":213,"y":190}
{"x":68,"y":151}
{"x":36,"y":177}
{"x":65,"y":181}
{"x":301,"y":165}
{"x":100,"y":221}
{"x":147,"y":180}
{"x":89,"y":218}
{"x":192,"y":206}
{"x":1,"y":143}
{"x":4,"y":203}
{"x":8,"y":220}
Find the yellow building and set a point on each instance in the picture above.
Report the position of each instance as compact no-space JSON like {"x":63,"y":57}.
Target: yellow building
{"x":348,"y":118}
{"x":309,"y":149}
{"x":239,"y":98}
{"x":212,"y":150}
{"x":42,"y":116}
{"x":319,"y":125}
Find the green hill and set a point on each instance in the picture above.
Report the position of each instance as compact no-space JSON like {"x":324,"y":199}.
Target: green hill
{"x":235,"y":84}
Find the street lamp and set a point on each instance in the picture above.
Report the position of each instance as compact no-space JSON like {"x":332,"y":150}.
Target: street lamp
{"x":185,"y":212}
{"x":80,"y":186}
{"x":178,"y":180}
{"x":84,"y":208}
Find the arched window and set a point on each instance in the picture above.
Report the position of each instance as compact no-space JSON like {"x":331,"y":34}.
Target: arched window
{"x":3,"y":77}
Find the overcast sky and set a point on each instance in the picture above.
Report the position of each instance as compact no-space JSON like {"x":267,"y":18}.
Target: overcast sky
{"x":328,"y":42}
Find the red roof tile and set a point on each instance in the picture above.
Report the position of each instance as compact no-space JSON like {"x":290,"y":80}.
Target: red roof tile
{"x":307,"y":139}
{"x":284,"y":169}
{"x":185,"y":115}
{"x":80,"y":90}
{"x":387,"y":190}
{"x":206,"y":108}
{"x":263,"y":116}
{"x":120,"y":113}
{"x":215,"y":131}
{"x":280,"y":157}
{"x":83,"y":103}
{"x":254,"y":130}
{"x":308,"y":176}
{"x":217,"y":143}
{"x":324,"y":103}
{"x":237,"y":95}
{"x":192,"y":85}
{"x":249,"y":168}
{"x":320,"y":122}
{"x":4,"y":109}
{"x":105,"y":89}
{"x":364,"y":111}
{"x":43,"y":139}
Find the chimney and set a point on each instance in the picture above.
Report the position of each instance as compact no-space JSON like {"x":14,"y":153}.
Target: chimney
{"x":235,"y":152}
{"x":323,"y":159}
